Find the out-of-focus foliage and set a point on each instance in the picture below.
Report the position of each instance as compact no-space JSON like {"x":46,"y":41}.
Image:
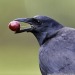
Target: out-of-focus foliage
{"x":19,"y":52}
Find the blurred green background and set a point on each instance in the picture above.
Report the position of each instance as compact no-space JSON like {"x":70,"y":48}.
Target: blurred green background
{"x":19,"y":52}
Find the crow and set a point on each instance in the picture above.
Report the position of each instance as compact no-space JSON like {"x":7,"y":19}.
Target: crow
{"x":57,"y":44}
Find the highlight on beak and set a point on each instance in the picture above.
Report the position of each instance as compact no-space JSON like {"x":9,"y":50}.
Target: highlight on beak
{"x":26,"y":20}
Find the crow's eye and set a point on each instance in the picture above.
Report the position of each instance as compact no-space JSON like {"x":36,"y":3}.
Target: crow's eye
{"x":36,"y":21}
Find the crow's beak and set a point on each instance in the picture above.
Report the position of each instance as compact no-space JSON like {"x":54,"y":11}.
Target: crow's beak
{"x":25,"y":20}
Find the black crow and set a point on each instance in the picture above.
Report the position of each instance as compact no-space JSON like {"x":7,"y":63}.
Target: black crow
{"x":57,"y":44}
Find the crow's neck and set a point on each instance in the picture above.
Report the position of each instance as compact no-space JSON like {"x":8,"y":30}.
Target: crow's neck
{"x":40,"y":37}
{"x":47,"y":34}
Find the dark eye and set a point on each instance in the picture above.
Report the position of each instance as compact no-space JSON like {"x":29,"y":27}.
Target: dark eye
{"x":36,"y":21}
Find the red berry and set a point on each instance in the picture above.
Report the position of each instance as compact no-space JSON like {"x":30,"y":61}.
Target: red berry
{"x":14,"y":25}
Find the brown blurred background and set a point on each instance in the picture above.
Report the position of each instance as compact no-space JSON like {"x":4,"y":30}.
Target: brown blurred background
{"x":19,"y":52}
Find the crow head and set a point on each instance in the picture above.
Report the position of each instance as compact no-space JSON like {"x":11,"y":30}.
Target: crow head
{"x":38,"y":23}
{"x":41,"y":26}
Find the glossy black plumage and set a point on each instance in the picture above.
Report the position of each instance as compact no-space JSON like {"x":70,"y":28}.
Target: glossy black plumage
{"x":57,"y":45}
